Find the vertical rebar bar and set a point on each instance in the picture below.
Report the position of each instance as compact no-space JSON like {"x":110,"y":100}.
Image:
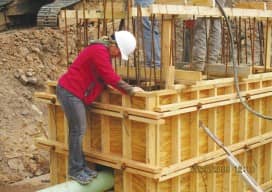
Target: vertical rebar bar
{"x":246,"y":40}
{"x":66,"y":39}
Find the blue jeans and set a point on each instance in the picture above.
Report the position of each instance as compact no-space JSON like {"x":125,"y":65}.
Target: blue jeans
{"x":147,"y":34}
{"x":75,"y":112}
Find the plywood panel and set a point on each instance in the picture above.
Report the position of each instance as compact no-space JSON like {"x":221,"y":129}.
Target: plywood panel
{"x":115,"y":135}
{"x":166,"y":143}
{"x":185,"y":138}
{"x":96,"y":132}
{"x":138,"y":141}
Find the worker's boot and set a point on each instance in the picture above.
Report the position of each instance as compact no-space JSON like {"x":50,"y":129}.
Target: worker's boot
{"x":81,"y":177}
{"x":90,"y":172}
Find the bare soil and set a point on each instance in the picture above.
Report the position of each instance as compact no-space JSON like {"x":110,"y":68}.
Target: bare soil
{"x":28,"y":59}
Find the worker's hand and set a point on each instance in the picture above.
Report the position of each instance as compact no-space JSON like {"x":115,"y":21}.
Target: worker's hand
{"x":137,"y":89}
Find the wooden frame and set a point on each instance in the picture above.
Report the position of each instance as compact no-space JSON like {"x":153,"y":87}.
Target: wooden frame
{"x":147,"y":150}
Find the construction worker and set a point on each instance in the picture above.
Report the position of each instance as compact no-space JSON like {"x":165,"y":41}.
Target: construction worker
{"x":148,"y":36}
{"x":85,"y":79}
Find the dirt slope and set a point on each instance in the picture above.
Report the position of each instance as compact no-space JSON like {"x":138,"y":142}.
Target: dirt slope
{"x":28,"y":58}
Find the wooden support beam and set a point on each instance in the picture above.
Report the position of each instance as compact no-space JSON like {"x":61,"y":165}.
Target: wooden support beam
{"x":179,"y":10}
{"x":119,"y":162}
{"x":166,"y":52}
{"x":250,"y":5}
{"x":180,"y":76}
{"x":98,"y":13}
{"x":126,"y":144}
{"x":212,"y":124}
{"x":210,"y":100}
{"x":220,"y":70}
{"x":111,"y":110}
{"x":195,"y":144}
{"x":202,"y":11}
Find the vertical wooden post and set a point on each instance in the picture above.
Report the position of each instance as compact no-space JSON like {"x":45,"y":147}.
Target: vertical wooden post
{"x":195,"y":142}
{"x":152,"y":145}
{"x":105,"y":128}
{"x":126,"y":133}
{"x":60,"y":137}
{"x":228,"y":134}
{"x":167,"y":68}
{"x":268,"y":147}
{"x":52,"y":135}
{"x":243,"y":135}
{"x":212,"y":124}
{"x":257,"y":131}
{"x":176,"y":148}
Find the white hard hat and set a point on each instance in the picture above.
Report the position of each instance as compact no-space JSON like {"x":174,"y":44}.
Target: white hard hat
{"x":126,"y":43}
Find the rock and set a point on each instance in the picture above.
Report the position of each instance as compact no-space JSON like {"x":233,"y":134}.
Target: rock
{"x":16,"y":164}
{"x":24,"y":112}
{"x":32,"y":166}
{"x":36,"y":50}
{"x":38,"y":172}
{"x":23,"y":79}
{"x":29,"y":73}
{"x":29,"y":58}
{"x":32,"y":81}
{"x":36,"y":109}
{"x":23,"y":50}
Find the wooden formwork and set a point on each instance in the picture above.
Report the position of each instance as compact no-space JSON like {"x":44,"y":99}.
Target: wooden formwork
{"x":153,"y":139}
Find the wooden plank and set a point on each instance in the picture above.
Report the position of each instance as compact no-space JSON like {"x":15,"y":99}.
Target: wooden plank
{"x":257,"y":105}
{"x":181,"y":10}
{"x":209,"y":100}
{"x":228,"y":136}
{"x":210,"y":3}
{"x":152,"y":144}
{"x":250,"y":5}
{"x":120,"y":162}
{"x":188,"y":75}
{"x":186,"y":10}
{"x":126,"y":144}
{"x":212,"y":124}
{"x":176,"y":147}
{"x":105,"y":127}
{"x":52,"y":134}
{"x":212,"y":105}
{"x":98,"y":13}
{"x":176,"y":2}
{"x":170,"y":80}
{"x":243,"y":136}
{"x":61,"y":136}
{"x":166,"y":56}
{"x":268,"y":147}
{"x":225,"y":71}
{"x":180,"y":75}
{"x":195,"y":143}
{"x":127,"y":110}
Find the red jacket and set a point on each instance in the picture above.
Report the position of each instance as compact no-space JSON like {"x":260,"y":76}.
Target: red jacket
{"x":89,"y":73}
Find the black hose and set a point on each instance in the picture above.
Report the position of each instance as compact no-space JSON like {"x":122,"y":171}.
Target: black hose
{"x":235,"y":67}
